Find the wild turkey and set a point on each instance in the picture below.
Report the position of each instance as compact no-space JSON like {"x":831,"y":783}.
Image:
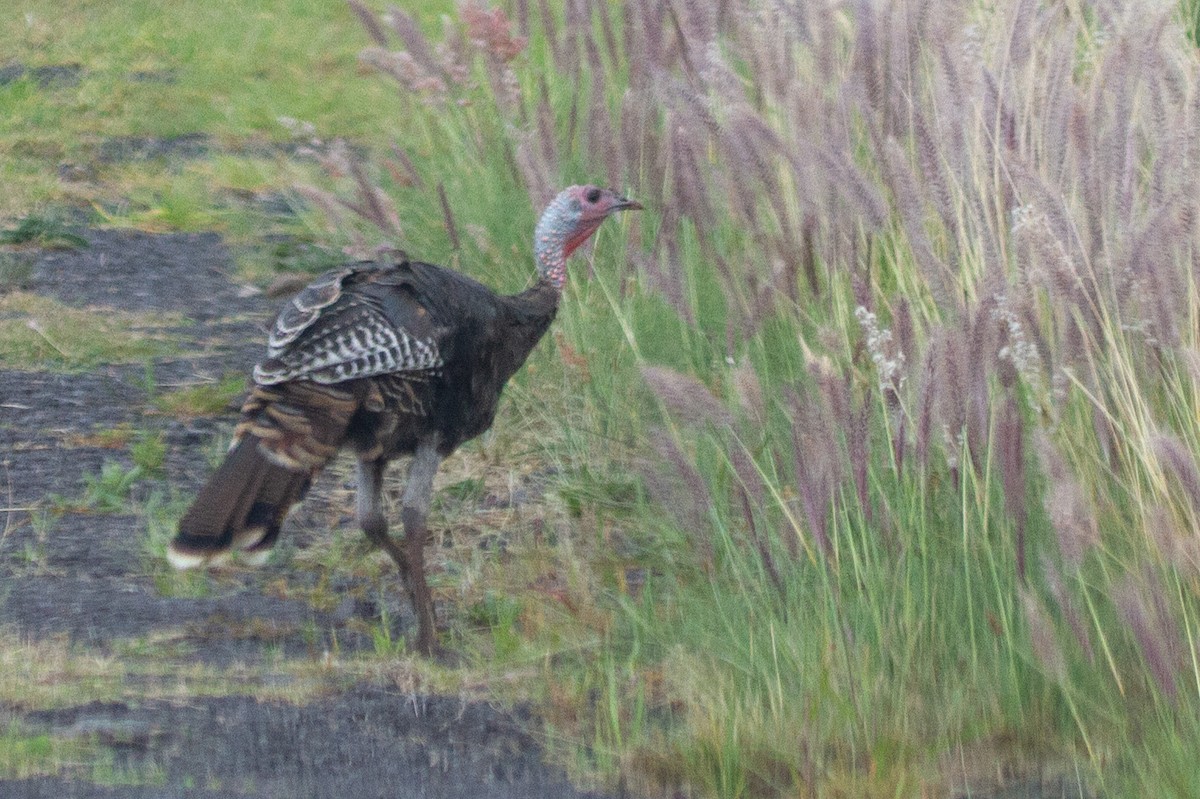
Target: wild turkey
{"x":391,"y":359}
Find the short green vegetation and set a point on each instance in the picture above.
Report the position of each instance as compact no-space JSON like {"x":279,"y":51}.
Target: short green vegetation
{"x":42,"y":232}
{"x":204,"y":399}
{"x":129,"y":71}
{"x":39,"y":333}
{"x":16,"y":270}
{"x":24,"y":755}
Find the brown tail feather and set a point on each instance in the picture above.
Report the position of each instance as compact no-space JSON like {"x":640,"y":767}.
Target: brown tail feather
{"x":287,"y":433}
{"x":242,"y":507}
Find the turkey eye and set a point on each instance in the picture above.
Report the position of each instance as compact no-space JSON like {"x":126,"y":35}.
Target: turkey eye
{"x":593,"y":195}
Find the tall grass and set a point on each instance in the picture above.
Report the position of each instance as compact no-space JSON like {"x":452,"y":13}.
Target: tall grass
{"x":907,"y":354}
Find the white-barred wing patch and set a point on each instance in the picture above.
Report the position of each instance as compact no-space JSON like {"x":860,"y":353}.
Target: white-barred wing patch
{"x":305,"y":307}
{"x":357,"y":341}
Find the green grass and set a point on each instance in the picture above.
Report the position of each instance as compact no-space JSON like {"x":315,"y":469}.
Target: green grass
{"x":110,"y":490}
{"x":40,"y":333}
{"x":50,"y":674}
{"x":45,"y":232}
{"x":16,"y":270}
{"x":291,"y":58}
{"x":205,"y":399}
{"x":24,"y":755}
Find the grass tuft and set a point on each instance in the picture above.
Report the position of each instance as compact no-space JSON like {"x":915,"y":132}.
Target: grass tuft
{"x":205,"y":399}
{"x":40,"y":231}
{"x":39,"y":333}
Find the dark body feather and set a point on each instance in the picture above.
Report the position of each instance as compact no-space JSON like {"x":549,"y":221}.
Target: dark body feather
{"x":330,"y":380}
{"x":483,"y":339}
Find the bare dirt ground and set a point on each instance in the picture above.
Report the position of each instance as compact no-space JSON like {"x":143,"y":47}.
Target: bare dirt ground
{"x":87,"y":578}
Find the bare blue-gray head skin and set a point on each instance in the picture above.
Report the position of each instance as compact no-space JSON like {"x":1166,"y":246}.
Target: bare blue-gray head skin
{"x":568,"y":221}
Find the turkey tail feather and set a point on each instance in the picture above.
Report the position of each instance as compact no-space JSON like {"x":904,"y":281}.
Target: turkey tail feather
{"x":242,"y":507}
{"x":287,"y":433}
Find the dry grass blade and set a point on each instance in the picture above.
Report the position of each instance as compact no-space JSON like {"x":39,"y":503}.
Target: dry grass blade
{"x":1054,"y":581}
{"x":1010,"y":438}
{"x":545,"y":125}
{"x":859,"y":454}
{"x":448,"y":219}
{"x":606,"y":30}
{"x":926,"y":403}
{"x":680,"y":41}
{"x":374,"y":204}
{"x":1042,"y":637}
{"x":909,"y":203}
{"x":1178,"y":461}
{"x":950,"y":388}
{"x":333,"y":207}
{"x":549,"y":26}
{"x":329,"y":203}
{"x":751,"y":493}
{"x":855,"y":187}
{"x":411,"y":175}
{"x":672,"y":281}
{"x":1067,"y":505}
{"x":817,"y":461}
{"x":750,"y":392}
{"x":533,"y":172}
{"x":601,"y":139}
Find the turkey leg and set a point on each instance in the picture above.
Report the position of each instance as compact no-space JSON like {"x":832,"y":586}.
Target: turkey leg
{"x":418,"y":496}
{"x":370,"y":512}
{"x":410,"y":558}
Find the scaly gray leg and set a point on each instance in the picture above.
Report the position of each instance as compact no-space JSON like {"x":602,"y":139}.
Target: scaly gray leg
{"x":370,"y":512}
{"x":418,"y":496}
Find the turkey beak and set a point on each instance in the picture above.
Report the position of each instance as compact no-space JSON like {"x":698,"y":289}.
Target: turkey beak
{"x":625,"y":204}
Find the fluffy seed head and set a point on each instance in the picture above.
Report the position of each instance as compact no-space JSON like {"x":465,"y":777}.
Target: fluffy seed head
{"x":568,"y":221}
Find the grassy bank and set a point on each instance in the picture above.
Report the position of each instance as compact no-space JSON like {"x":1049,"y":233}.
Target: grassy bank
{"x":873,"y":438}
{"x":902,"y":355}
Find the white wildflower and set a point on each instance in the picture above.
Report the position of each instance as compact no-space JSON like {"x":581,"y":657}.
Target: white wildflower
{"x":1023,"y":217}
{"x":972,"y":43}
{"x":1019,"y":351}
{"x":954,"y":443}
{"x":890,"y":368}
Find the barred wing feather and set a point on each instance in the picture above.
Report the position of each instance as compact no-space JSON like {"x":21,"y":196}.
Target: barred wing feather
{"x":345,"y":326}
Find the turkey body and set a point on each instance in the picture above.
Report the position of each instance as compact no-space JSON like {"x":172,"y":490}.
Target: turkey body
{"x":389,"y":359}
{"x":393,"y":359}
{"x":481,"y":340}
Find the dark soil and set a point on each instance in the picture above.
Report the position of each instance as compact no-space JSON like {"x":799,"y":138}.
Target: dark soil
{"x":160,"y":76}
{"x":46,"y":76}
{"x":189,"y":146}
{"x":365,"y":742}
{"x":89,"y":576}
{"x":146,"y":148}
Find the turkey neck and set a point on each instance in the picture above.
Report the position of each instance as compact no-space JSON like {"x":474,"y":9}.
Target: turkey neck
{"x":530,"y":315}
